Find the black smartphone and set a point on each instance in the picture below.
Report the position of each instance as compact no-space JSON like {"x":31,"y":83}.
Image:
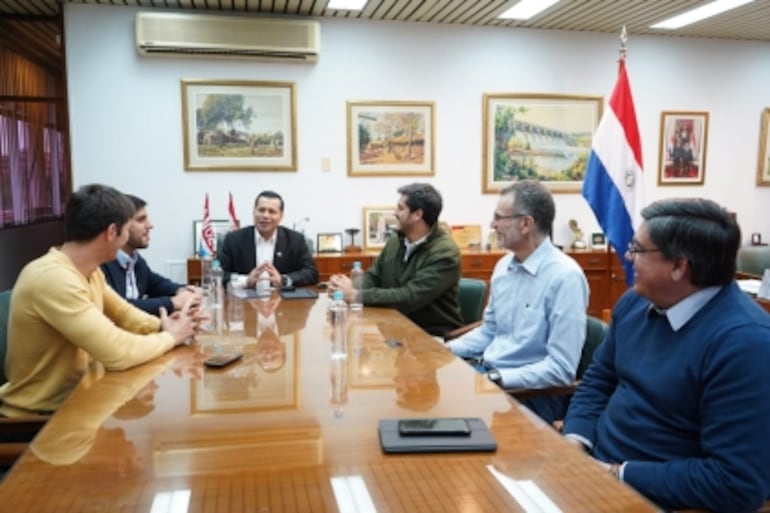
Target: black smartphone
{"x":222,"y":360}
{"x":434,"y":427}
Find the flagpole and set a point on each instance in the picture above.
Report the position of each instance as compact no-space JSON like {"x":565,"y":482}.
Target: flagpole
{"x":623,"y":43}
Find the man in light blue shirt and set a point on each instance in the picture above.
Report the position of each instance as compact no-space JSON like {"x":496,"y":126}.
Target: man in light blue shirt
{"x":535,"y":323}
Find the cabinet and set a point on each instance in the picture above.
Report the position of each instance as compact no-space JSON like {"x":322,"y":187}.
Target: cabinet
{"x":603,"y":270}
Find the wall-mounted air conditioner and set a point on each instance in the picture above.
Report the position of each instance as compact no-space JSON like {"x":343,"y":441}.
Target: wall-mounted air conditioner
{"x":230,"y":36}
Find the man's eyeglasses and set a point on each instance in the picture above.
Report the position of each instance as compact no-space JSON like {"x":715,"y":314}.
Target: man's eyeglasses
{"x":498,"y":217}
{"x":635,"y":248}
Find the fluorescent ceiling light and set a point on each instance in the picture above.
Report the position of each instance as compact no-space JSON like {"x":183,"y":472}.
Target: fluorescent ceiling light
{"x":348,"y":5}
{"x":700,"y":13}
{"x":525,"y":9}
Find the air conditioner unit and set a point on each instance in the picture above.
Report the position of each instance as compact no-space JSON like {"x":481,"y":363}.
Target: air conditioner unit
{"x":230,"y":36}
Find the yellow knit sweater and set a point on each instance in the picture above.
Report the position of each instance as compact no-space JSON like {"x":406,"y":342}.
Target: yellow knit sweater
{"x":58,"y":321}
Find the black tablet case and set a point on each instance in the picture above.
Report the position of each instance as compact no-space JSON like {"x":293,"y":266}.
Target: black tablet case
{"x":298,"y":294}
{"x":480,"y":439}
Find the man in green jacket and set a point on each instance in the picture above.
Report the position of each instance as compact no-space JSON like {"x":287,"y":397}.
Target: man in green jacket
{"x":418,"y":270}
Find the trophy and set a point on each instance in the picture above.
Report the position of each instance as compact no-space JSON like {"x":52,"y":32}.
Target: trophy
{"x":352,"y":248}
{"x":578,"y":242}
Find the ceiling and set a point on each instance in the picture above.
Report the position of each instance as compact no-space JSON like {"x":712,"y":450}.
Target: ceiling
{"x":33,"y":24}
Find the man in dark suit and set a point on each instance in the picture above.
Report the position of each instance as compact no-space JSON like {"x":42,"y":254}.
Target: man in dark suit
{"x":277,"y":254}
{"x":131,"y":277}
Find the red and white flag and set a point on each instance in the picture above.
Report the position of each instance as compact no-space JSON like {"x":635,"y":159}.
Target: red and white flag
{"x":206,"y":246}
{"x":234,"y":222}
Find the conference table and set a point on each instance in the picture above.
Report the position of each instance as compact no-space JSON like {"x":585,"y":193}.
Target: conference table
{"x":289,"y":428}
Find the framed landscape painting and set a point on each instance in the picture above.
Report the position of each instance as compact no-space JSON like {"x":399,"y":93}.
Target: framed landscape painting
{"x":390,"y":138}
{"x":239,"y":125}
{"x":683,"y":148}
{"x":537,"y":136}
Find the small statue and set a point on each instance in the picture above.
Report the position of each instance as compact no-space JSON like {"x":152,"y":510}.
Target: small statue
{"x":578,"y":242}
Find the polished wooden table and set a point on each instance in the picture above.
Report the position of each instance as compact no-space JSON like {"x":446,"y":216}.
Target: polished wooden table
{"x":289,"y":429}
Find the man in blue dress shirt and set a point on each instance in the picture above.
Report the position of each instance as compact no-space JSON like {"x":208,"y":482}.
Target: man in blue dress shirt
{"x":535,"y":323}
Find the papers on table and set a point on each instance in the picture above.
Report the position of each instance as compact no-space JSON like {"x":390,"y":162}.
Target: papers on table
{"x":750,"y":286}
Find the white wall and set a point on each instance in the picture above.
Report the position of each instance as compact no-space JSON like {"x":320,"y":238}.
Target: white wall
{"x":125,"y":116}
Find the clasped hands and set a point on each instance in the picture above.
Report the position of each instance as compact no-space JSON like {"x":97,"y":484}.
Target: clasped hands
{"x":258,"y":272}
{"x":184,"y":323}
{"x":343,"y":283}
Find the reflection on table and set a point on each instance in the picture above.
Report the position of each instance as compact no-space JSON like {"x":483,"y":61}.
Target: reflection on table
{"x":300,"y":435}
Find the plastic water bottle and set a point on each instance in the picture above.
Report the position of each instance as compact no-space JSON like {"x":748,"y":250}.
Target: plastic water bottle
{"x":357,"y":277}
{"x":338,"y":322}
{"x":217,"y":275}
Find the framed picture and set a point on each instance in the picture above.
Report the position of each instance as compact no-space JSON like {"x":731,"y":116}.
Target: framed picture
{"x":220,"y":226}
{"x":542,"y":136}
{"x":390,"y":138}
{"x":239,"y":125}
{"x":379,"y":223}
{"x":256,"y":383}
{"x":682,"y":147}
{"x":763,"y":168}
{"x":329,"y":243}
{"x":598,"y":241}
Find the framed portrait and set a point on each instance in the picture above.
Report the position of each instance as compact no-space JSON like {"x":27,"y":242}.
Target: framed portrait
{"x":220,"y":226}
{"x":379,"y":223}
{"x":598,"y":240}
{"x":390,"y":138}
{"x":682,"y":159}
{"x":329,"y":243}
{"x":537,"y":136}
{"x":239,"y":125}
{"x":763,"y":167}
{"x":252,"y":384}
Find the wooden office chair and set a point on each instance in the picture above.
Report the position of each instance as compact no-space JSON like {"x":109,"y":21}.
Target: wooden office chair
{"x":21,"y":428}
{"x":471,"y":297}
{"x":595,"y":330}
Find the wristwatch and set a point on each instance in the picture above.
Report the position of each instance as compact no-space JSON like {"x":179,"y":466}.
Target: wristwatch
{"x":495,"y":377}
{"x":285,"y":282}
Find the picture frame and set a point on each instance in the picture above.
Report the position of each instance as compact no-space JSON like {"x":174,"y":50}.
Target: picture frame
{"x":390,"y":138}
{"x":763,"y":164}
{"x":682,"y":151}
{"x":246,"y":386}
{"x":378,"y":224}
{"x":257,"y":131}
{"x":221,"y":228}
{"x":598,"y":240}
{"x":329,"y":243}
{"x":543,"y":136}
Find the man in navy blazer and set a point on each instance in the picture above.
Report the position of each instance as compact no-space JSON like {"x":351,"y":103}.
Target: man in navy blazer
{"x":131,"y":277}
{"x":279,"y":255}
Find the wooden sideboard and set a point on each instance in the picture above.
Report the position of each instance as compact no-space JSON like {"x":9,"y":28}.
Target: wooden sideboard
{"x":603,"y":270}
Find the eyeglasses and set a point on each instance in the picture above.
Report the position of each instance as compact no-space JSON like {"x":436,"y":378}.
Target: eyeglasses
{"x":498,"y":217}
{"x":635,"y":248}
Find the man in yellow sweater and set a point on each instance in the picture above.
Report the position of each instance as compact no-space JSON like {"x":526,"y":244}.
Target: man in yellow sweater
{"x":63,"y":314}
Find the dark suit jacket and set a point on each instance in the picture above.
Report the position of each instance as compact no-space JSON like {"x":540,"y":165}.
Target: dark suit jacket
{"x":154,"y":290}
{"x":291,"y":256}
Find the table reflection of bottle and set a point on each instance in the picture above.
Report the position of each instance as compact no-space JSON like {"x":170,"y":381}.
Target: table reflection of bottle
{"x":339,"y":383}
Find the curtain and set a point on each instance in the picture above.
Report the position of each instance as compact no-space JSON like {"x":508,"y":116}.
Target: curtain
{"x":34,"y":167}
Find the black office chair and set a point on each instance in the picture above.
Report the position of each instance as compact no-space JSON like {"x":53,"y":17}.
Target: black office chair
{"x":15,"y":428}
